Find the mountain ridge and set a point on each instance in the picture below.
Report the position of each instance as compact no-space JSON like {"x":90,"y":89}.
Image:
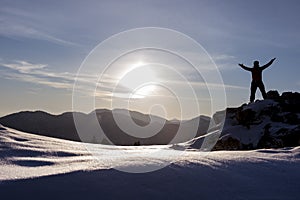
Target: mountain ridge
{"x":270,"y":123}
{"x":62,"y":126}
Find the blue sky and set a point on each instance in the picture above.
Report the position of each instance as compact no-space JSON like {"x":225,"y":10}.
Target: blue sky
{"x":43,"y":43}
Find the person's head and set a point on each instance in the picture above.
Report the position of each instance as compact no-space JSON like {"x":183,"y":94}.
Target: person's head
{"x":256,"y":63}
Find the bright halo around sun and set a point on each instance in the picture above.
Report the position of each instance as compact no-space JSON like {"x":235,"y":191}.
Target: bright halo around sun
{"x":140,"y":80}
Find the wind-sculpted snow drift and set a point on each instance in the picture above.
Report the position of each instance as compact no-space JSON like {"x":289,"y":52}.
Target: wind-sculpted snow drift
{"x":39,"y":167}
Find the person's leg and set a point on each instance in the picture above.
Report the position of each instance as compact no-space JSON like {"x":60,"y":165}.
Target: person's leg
{"x":262,"y":89}
{"x":253,"y":91}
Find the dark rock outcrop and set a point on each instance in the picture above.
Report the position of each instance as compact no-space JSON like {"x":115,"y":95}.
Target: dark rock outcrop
{"x":270,"y":123}
{"x":228,"y":143}
{"x":273,"y":94}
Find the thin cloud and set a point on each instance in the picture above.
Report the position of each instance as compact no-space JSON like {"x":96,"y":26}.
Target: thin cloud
{"x":223,"y":57}
{"x":23,"y":66}
{"x":87,"y":84}
{"x":18,"y":30}
{"x":19,"y":23}
{"x":39,"y":74}
{"x":206,"y":85}
{"x":225,"y":61}
{"x":36,"y":80}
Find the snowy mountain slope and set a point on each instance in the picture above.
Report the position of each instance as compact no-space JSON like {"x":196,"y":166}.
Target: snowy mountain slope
{"x":35,"y":167}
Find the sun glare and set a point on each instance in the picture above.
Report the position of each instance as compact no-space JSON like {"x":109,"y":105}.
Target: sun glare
{"x":140,"y":79}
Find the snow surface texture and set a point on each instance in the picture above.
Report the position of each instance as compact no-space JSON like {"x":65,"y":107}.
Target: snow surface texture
{"x":38,"y":167}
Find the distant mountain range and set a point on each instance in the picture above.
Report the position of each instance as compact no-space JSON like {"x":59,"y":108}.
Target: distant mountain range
{"x":270,"y":123}
{"x":63,"y":126}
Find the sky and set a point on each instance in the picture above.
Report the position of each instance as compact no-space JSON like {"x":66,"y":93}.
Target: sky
{"x":44,"y":43}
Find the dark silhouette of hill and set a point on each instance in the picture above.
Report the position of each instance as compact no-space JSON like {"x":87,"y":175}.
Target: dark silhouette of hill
{"x":62,"y":126}
{"x":270,"y":123}
{"x":42,"y":123}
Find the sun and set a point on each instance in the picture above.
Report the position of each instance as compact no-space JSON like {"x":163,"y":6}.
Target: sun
{"x":140,"y":79}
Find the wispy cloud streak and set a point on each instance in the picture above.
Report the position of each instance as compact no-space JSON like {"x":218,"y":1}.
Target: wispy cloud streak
{"x":16,"y":23}
{"x":40,"y":74}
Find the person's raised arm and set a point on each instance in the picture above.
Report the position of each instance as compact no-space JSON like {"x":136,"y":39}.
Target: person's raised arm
{"x":268,"y":64}
{"x":244,"y":67}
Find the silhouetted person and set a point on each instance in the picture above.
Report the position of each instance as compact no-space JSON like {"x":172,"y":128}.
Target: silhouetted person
{"x":256,"y":71}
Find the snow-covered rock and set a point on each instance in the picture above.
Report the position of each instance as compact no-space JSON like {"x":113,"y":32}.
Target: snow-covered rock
{"x":270,"y":123}
{"x":2,"y":127}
